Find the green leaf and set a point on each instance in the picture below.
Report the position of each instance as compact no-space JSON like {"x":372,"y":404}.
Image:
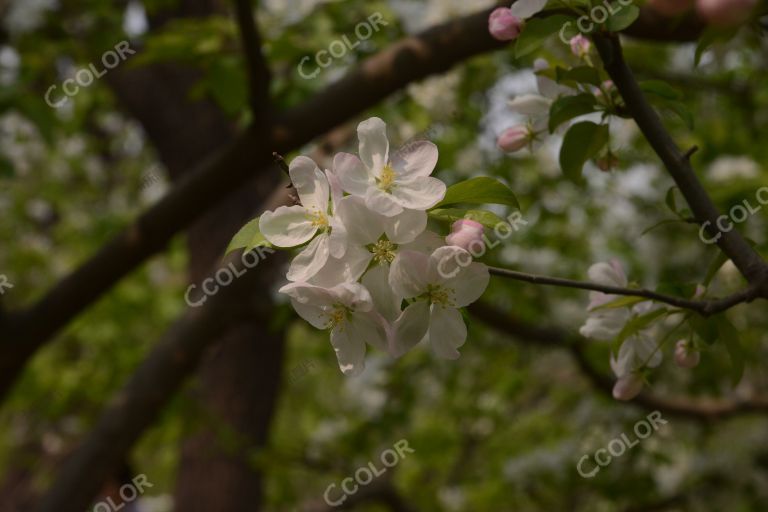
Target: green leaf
{"x":636,"y":324}
{"x":660,"y":88}
{"x":484,"y":217}
{"x":705,"y":328}
{"x":481,"y":190}
{"x":714,"y":266}
{"x":730,"y":338}
{"x":567,"y":107}
{"x":248,"y":237}
{"x":624,"y":17}
{"x":582,"y":142}
{"x":579,"y":74}
{"x":536,"y":32}
{"x":621,"y":302}
{"x":682,"y":112}
{"x":227,"y":83}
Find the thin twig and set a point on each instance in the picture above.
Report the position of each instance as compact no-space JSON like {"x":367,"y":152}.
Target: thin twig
{"x":703,"y":307}
{"x":257,"y":69}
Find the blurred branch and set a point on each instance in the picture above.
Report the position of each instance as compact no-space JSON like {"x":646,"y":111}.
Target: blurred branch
{"x":703,"y":307}
{"x":687,"y":407}
{"x":258,"y":71}
{"x":746,"y":259}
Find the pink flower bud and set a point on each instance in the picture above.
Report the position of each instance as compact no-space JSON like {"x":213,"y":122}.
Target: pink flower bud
{"x":685,"y":355}
{"x":670,"y":7}
{"x":513,"y":139}
{"x":725,"y":13}
{"x":503,"y":25}
{"x":467,"y":234}
{"x":627,"y":387}
{"x":580,"y":46}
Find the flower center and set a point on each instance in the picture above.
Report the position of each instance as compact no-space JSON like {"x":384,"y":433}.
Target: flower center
{"x":387,"y":178}
{"x":337,"y":316}
{"x":440,"y":295}
{"x":383,"y":251}
{"x":318,"y":218}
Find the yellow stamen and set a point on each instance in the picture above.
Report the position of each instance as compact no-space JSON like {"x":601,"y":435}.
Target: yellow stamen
{"x":440,"y":295}
{"x":383,"y":251}
{"x":387,"y":178}
{"x":318,"y":218}
{"x":337,"y":317}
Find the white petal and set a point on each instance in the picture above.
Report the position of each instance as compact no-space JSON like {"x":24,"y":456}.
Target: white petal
{"x":427,"y":242}
{"x":352,"y":174}
{"x":417,"y":159}
{"x":469,"y":285}
{"x":287,"y":226}
{"x":315,"y":315}
{"x":381,"y":202}
{"x":371,"y":328}
{"x":337,"y":191}
{"x":350,"y":350}
{"x":408,"y":275}
{"x":605,"y":324}
{"x":343,"y":270}
{"x":447,"y":262}
{"x":354,"y":296}
{"x":364,"y":226}
{"x":530,"y":105}
{"x":374,"y":145}
{"x":405,"y":226}
{"x":447,"y":331}
{"x":310,"y":260}
{"x":608,"y":274}
{"x":410,"y":328}
{"x":419,"y":193}
{"x":385,"y":300}
{"x":337,"y":242}
{"x":311,"y":184}
{"x":524,"y":9}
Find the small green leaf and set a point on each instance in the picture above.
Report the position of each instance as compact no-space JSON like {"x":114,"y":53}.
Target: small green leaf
{"x":481,"y":190}
{"x":636,"y":324}
{"x":536,"y":31}
{"x":582,"y":142}
{"x":621,"y":302}
{"x":705,"y":328}
{"x":682,"y":112}
{"x":567,"y":107}
{"x":660,"y":88}
{"x":579,"y":74}
{"x":730,"y":338}
{"x":248,"y":237}
{"x":624,"y":17}
{"x":451,"y":215}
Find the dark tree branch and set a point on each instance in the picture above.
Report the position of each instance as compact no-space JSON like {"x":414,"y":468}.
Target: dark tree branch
{"x":746,"y":259}
{"x":259,"y":76}
{"x":686,"y":407}
{"x":703,"y":307}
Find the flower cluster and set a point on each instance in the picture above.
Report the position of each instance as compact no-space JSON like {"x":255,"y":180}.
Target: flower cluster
{"x":370,"y":271}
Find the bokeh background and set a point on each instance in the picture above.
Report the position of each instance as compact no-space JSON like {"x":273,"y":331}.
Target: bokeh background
{"x":267,"y":421}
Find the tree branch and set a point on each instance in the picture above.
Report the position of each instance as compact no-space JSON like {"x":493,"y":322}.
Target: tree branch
{"x":703,"y":307}
{"x":259,"y":76}
{"x":746,"y":259}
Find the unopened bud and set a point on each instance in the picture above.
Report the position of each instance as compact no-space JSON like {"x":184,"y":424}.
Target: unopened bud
{"x":628,"y":387}
{"x":685,"y":355}
{"x":465,"y":233}
{"x":513,"y":139}
{"x":503,"y":25}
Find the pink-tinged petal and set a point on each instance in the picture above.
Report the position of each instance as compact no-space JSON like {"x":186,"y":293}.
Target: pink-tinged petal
{"x":608,"y":274}
{"x":337,"y":191}
{"x":408,"y":275}
{"x":287,"y":226}
{"x":352,"y":174}
{"x":627,"y":387}
{"x":310,"y":183}
{"x":447,"y":331}
{"x":350,"y":350}
{"x":385,"y":300}
{"x":381,"y":202}
{"x":363,"y":225}
{"x":310,"y":260}
{"x":343,"y":270}
{"x":419,"y":193}
{"x":371,"y":328}
{"x":526,"y":8}
{"x":406,"y":226}
{"x":337,"y":241}
{"x":414,"y":160}
{"x":410,"y":328}
{"x":374,"y":145}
